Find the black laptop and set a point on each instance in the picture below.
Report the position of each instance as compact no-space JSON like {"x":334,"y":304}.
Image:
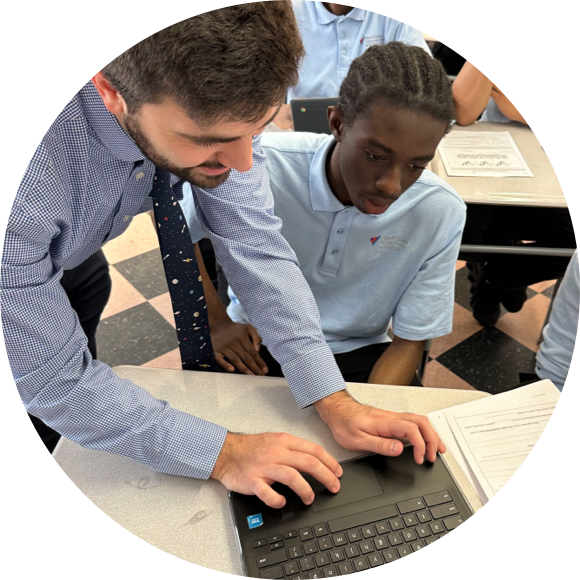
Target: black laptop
{"x":387,"y":508}
{"x":311,"y":115}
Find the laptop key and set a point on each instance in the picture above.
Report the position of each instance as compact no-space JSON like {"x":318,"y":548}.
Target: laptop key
{"x":453,"y":522}
{"x":395,"y":539}
{"x":291,"y":568}
{"x":360,"y":564}
{"x":315,"y":574}
{"x":330,"y":571}
{"x":363,"y":518}
{"x":411,"y":505}
{"x":259,"y":543}
{"x":276,"y":546}
{"x":307,"y":563}
{"x":382,"y":528}
{"x":354,"y":535}
{"x":437,"y":498}
{"x":368,"y":532}
{"x":442,"y":511}
{"x":275,"y":557}
{"x":381,"y":543}
{"x":320,"y":530}
{"x":275,"y":539}
{"x":418,"y":545}
{"x":390,"y":555}
{"x":410,"y":520}
{"x":396,"y":524}
{"x":352,"y":551}
{"x":340,"y":539}
{"x":430,"y":540}
{"x":366,"y":547}
{"x":337,"y":555}
{"x":295,"y":552}
{"x":345,"y":568}
{"x":310,"y":547}
{"x":422,"y":531}
{"x":436,"y":527}
{"x":325,"y":543}
{"x":305,"y":533}
{"x":290,"y":535}
{"x":299,"y":577}
{"x":275,"y":572}
{"x":322,"y":560}
{"x":376,"y":560}
{"x":403,"y":551}
{"x":424,"y":516}
{"x":409,"y":535}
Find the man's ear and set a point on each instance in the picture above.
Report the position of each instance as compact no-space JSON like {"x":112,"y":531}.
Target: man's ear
{"x":111,"y":97}
{"x":335,"y":122}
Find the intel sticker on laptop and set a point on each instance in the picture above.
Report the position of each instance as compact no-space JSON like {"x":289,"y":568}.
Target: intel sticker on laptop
{"x":255,"y":521}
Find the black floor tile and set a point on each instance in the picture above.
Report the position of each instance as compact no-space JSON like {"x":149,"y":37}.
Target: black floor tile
{"x":549,"y":292}
{"x":489,"y":360}
{"x":134,"y":336}
{"x":146,"y":273}
{"x":462,"y":285}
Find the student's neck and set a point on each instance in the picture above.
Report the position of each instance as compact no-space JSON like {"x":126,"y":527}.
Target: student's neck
{"x":334,"y":176}
{"x":337,"y":9}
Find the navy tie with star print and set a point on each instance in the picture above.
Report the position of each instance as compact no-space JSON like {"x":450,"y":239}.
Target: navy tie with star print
{"x":183,"y":277}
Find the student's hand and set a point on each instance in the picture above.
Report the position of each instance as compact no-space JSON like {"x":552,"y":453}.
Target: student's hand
{"x":250,"y":464}
{"x":362,"y":428}
{"x":237,"y":346}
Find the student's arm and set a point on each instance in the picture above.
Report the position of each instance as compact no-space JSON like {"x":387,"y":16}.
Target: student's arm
{"x":237,"y":343}
{"x":398,"y":363}
{"x":471,"y":92}
{"x":506,"y":107}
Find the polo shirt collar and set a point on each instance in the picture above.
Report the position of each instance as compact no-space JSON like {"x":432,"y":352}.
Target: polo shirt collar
{"x":322,"y":197}
{"x":326,"y":17}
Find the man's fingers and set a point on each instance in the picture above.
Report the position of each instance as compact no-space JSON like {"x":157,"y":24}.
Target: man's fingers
{"x":268,"y":495}
{"x":306,"y":463}
{"x":381,"y":445}
{"x":305,"y":446}
{"x":408,"y":430}
{"x":432,"y":440}
{"x":290,"y":477}
{"x":219,"y":358}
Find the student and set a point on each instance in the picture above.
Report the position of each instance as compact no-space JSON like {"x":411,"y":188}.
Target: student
{"x":375,"y":233}
{"x":334,"y":35}
{"x":187,"y":103}
{"x":502,"y":279}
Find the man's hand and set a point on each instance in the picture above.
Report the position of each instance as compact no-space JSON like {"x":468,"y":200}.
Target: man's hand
{"x":240,"y":345}
{"x":362,"y":428}
{"x":250,"y":464}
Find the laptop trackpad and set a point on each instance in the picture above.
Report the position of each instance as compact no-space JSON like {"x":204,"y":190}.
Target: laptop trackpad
{"x":358,"y":481}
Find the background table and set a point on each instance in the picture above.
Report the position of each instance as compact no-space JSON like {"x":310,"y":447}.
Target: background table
{"x":190,"y":518}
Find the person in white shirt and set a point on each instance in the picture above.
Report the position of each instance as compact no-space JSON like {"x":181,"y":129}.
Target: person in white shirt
{"x":375,"y":233}
{"x":333,"y":36}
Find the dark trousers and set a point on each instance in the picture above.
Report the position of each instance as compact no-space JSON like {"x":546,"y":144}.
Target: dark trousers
{"x":355,"y":366}
{"x":509,"y":225}
{"x":88,"y":287}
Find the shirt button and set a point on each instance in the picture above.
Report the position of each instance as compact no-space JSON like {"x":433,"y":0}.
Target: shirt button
{"x":139,"y":175}
{"x":344,"y":52}
{"x":341,"y":231}
{"x":334,"y":252}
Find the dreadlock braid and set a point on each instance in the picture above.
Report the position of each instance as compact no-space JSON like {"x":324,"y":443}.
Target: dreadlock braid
{"x":402,"y":75}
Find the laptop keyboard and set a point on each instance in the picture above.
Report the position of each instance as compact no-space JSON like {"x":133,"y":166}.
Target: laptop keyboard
{"x":359,"y":541}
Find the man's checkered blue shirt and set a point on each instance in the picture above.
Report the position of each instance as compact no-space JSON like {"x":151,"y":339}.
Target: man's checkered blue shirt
{"x":84,"y":184}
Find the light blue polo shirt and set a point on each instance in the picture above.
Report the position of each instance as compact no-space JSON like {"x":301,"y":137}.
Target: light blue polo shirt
{"x":555,"y":354}
{"x":333,"y":42}
{"x":365,"y":269}
{"x":492,"y":114}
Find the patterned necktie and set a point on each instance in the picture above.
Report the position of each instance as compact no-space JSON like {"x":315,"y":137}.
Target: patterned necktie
{"x":183,"y":277}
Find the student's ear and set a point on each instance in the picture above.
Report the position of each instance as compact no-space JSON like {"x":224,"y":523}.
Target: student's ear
{"x":111,"y":97}
{"x":335,"y":122}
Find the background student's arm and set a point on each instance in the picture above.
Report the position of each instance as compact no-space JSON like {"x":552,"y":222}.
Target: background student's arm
{"x":237,"y":343}
{"x":398,"y":363}
{"x":471,"y":92}
{"x":505,"y":106}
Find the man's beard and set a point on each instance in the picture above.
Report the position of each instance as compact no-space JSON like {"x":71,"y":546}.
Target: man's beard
{"x":187,"y":173}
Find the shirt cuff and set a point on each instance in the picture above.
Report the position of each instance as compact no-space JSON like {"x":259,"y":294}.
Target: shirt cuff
{"x":313,"y":376}
{"x":192,"y":446}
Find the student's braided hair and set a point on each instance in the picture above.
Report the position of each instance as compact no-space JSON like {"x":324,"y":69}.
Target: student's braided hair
{"x":402,"y":75}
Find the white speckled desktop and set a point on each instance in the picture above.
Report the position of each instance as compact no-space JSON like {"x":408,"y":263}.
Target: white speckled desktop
{"x":190,"y":518}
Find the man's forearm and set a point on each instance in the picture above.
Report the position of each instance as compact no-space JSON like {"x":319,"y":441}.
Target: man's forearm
{"x":471,"y":92}
{"x":398,"y":363}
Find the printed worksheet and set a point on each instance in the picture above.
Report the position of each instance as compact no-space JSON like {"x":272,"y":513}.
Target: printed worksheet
{"x":482,"y":154}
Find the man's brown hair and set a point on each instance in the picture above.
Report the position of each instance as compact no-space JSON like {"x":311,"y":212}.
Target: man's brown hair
{"x":229,"y":64}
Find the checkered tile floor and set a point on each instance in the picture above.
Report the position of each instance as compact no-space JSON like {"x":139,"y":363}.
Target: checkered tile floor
{"x":137,"y":327}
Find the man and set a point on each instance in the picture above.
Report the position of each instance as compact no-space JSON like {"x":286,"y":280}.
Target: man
{"x":185,"y":103}
{"x":502,"y":279}
{"x":334,"y":35}
{"x":376,"y":235}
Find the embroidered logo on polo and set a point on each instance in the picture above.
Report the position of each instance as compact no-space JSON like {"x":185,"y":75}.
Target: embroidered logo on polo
{"x":375,"y":240}
{"x":393,"y":243}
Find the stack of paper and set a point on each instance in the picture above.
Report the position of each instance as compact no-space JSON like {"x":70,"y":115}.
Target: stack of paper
{"x":490,"y":438}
